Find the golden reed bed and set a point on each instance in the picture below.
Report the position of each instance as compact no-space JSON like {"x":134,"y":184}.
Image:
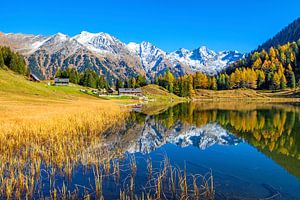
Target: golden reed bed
{"x":55,"y":134}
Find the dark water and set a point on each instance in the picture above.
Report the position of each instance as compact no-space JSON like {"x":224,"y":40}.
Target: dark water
{"x":252,"y":151}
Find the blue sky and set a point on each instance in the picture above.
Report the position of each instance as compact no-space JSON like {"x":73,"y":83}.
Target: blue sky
{"x":169,"y":24}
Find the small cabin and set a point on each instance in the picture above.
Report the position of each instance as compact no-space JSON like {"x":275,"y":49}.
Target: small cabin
{"x":34,"y":78}
{"x":111,"y":91}
{"x":61,"y":81}
{"x":130,"y":91}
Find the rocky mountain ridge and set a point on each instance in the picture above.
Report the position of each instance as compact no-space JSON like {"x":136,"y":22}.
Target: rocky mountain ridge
{"x":112,"y":58}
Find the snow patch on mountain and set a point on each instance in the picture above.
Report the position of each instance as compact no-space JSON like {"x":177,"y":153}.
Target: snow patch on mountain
{"x":201,"y":59}
{"x":100,"y":42}
{"x":204,"y":59}
{"x":36,"y":45}
{"x":150,"y":55}
{"x":134,"y":48}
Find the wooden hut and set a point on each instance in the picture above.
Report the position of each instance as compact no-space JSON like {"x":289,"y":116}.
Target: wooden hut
{"x":34,"y":78}
{"x":130,"y":91}
{"x":61,"y":81}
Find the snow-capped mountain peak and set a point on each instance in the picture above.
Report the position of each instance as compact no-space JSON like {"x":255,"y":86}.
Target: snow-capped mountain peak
{"x":150,"y":55}
{"x":204,"y":59}
{"x":182,"y":52}
{"x":144,"y":48}
{"x":61,"y":36}
{"x":87,"y":37}
{"x":58,"y":43}
{"x":203,"y":53}
{"x":57,"y":38}
{"x":148,"y":48}
{"x":133,"y":47}
{"x":99,"y":42}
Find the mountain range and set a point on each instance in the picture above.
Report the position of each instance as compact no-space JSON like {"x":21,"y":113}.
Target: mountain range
{"x":112,"y":58}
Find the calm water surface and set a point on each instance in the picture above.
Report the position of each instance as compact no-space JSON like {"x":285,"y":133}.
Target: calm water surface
{"x":252,"y":151}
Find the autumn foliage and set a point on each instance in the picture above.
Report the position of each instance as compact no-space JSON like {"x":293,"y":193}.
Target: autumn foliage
{"x":275,"y":69}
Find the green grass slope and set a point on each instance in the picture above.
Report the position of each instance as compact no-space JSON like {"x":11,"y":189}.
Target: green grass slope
{"x":17,"y":87}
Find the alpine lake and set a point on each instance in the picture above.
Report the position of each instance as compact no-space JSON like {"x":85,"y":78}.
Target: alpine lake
{"x":196,"y":150}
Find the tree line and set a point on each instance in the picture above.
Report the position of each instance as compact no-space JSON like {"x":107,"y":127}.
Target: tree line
{"x":13,"y":61}
{"x":186,"y":85}
{"x":277,"y":68}
{"x":133,"y":82}
{"x":89,"y":78}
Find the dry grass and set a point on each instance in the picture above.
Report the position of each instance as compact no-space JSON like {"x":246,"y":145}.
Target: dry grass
{"x":159,"y":94}
{"x":247,"y":95}
{"x":169,"y":182}
{"x":155,"y":90}
{"x":241,"y":106}
{"x":160,"y":99}
{"x":55,"y":134}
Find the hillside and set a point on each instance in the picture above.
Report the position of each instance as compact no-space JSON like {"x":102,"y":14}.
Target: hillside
{"x":160,"y":94}
{"x":160,"y":99}
{"x":277,"y":68}
{"x":156,"y":90}
{"x":14,"y":87}
{"x":290,"y":33}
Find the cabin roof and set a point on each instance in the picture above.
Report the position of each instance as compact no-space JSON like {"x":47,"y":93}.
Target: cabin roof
{"x":34,"y":77}
{"x":61,"y":80}
{"x":130,"y":90}
{"x":111,"y":90}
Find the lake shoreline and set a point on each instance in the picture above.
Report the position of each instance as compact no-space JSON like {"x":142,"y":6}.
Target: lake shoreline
{"x":247,"y":95}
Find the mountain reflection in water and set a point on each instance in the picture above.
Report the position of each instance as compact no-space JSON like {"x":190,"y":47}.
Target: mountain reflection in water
{"x":181,"y":135}
{"x":250,"y":147}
